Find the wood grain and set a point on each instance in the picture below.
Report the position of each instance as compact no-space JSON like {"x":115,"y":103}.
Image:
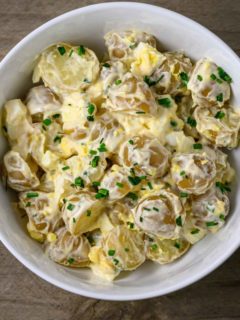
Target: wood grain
{"x":25,"y":296}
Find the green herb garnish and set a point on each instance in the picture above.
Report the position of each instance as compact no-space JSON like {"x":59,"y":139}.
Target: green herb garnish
{"x":92,"y":152}
{"x":154,"y":247}
{"x":211,"y":223}
{"x":89,"y":212}
{"x":222,"y":217}
{"x":150,"y":185}
{"x":223,"y":187}
{"x":119,"y":184}
{"x":118,"y":82}
{"x":147,"y":209}
{"x":71,"y":52}
{"x":61,"y":50}
{"x":213,"y":77}
{"x":32,"y":195}
{"x":111,"y":252}
{"x":102,"y":193}
{"x":79,"y":182}
{"x":194,"y":231}
{"x":165,"y":102}
{"x":96,"y":184}
{"x":47,"y":122}
{"x":28,"y":204}
{"x":134,"y":180}
{"x":132,"y":196}
{"x":74,"y":220}
{"x":197,"y":146}
{"x":130,"y":224}
{"x":155,"y":209}
{"x":95,"y":161}
{"x":57,"y":139}
{"x":179,"y":221}
{"x":223,"y":75}
{"x":183,"y":194}
{"x":70,"y":260}
{"x":184,"y":78}
{"x":102,"y":147}
{"x":70,"y":207}
{"x":182,"y":173}
{"x":219,"y":97}
{"x":90,"y":118}
{"x":106,"y":65}
{"x":173,"y":123}
{"x":151,"y":82}
{"x":130,"y":142}
{"x":56,"y":115}
{"x":81,"y":50}
{"x":65,"y":168}
{"x":199,"y":77}
{"x":177,"y":245}
{"x":91,"y":108}
{"x":192,"y":122}
{"x":219,"y":115}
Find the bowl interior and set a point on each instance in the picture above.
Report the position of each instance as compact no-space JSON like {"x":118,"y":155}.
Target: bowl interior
{"x":87,"y":26}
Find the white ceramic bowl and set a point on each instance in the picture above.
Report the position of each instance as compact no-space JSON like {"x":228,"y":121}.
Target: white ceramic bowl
{"x":87,"y":26}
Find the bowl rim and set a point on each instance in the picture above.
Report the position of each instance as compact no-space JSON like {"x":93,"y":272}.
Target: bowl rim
{"x":86,"y":292}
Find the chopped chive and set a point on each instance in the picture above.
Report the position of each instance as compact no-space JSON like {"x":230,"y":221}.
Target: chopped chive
{"x":74,"y":220}
{"x":155,"y":209}
{"x":101,"y":141}
{"x":126,"y":249}
{"x":102,"y":193}
{"x":182,"y":173}
{"x":71,"y":52}
{"x":92,"y":152}
{"x":47,"y":122}
{"x":141,"y":219}
{"x":211,"y":223}
{"x":223,"y":75}
{"x":102,"y":147}
{"x":130,"y":142}
{"x":91,"y":108}
{"x":223,"y":187}
{"x":183,"y":194}
{"x":79,"y":182}
{"x":151,"y":82}
{"x":111,"y":252}
{"x":213,"y":77}
{"x":56,"y":115}
{"x":86,"y":80}
{"x":147,"y":209}
{"x":133,"y":46}
{"x":95,"y":161}
{"x":197,"y":146}
{"x":118,"y":81}
{"x":116,"y":261}
{"x":195,"y":231}
{"x":179,"y":221}
{"x":65,"y":168}
{"x":70,"y":207}
{"x":134,"y":180}
{"x":32,"y":195}
{"x":219,"y":115}
{"x":81,"y":50}
{"x":222,"y":217}
{"x":140,"y":112}
{"x":192,"y":122}
{"x":106,"y":65}
{"x":119,"y":184}
{"x":132,"y":196}
{"x":177,"y":245}
{"x":57,"y":139}
{"x":70,"y":260}
{"x":130,"y":224}
{"x":165,"y":102}
{"x":61,"y":50}
{"x":64,"y":200}
{"x":173,"y":123}
{"x":150,"y":185}
{"x":184,"y":77}
{"x":154,"y":247}
{"x":89,"y":212}
{"x":28,"y":204}
{"x":90,"y":118}
{"x":219,"y":97}
{"x":199,"y":77}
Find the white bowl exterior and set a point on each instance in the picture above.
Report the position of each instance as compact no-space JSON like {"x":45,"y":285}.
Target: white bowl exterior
{"x":87,"y":26}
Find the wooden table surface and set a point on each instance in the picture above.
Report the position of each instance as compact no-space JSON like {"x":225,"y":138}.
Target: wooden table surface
{"x":25,"y":296}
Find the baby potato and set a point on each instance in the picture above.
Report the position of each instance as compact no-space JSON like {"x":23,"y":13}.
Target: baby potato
{"x":210,"y":209}
{"x":80,"y":212}
{"x":193,"y":173}
{"x":40,"y":100}
{"x":209,"y":84}
{"x":65,"y":68}
{"x":131,"y":95}
{"x":120,"y":45}
{"x":20,"y":177}
{"x":106,"y":134}
{"x":146,"y":153}
{"x":116,"y":181}
{"x":43,"y":213}
{"x":124,"y":248}
{"x":160,"y":214}
{"x":166,"y":250}
{"x":172,"y":76}
{"x":67,"y":249}
{"x":219,"y":126}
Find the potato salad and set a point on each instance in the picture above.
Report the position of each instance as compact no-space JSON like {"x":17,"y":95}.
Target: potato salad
{"x":121,"y":161}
